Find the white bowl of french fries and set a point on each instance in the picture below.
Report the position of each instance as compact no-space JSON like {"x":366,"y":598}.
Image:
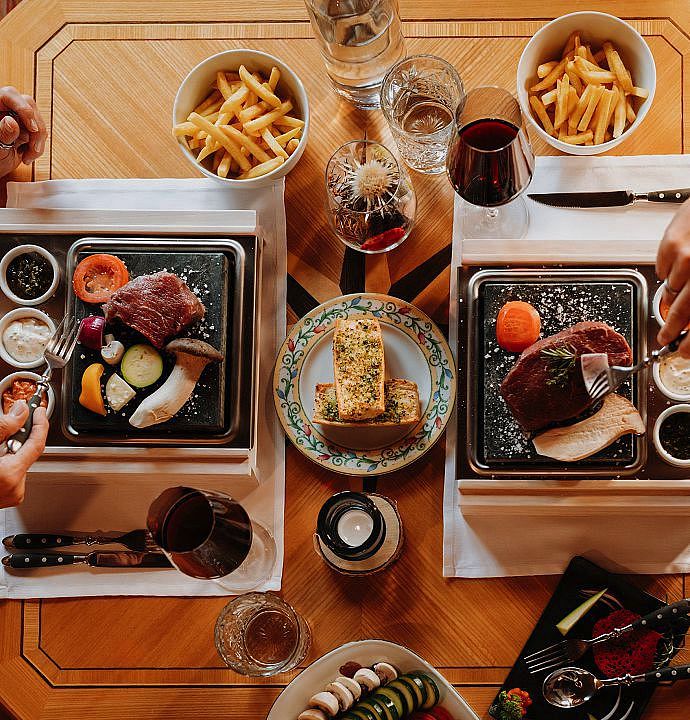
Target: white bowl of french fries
{"x":242,"y":117}
{"x":585,"y":82}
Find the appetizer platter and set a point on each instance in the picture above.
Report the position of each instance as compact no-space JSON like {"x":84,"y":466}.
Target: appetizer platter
{"x":364,"y":384}
{"x":370,"y":680}
{"x":588,"y":602}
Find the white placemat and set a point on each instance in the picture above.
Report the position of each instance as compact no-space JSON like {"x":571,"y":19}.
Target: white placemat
{"x":537,"y":534}
{"x":90,"y":501}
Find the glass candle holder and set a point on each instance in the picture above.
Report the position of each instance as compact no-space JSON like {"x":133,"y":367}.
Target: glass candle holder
{"x":371,"y":201}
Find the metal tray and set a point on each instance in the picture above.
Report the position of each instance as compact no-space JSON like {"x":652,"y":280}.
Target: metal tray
{"x":237,"y":432}
{"x":497,"y":446}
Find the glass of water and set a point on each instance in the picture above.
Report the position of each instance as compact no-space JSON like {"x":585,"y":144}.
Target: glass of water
{"x":359,"y":40}
{"x":420,"y":97}
{"x":260,"y":635}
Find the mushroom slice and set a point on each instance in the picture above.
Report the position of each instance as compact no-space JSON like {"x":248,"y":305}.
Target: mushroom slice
{"x":352,"y":685}
{"x":191,"y":357}
{"x":368,"y":679}
{"x":312,"y":714}
{"x":386,"y":672}
{"x":345,"y":698}
{"x":325,"y":701}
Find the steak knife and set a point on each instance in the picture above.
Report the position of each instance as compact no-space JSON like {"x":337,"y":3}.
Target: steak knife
{"x":138,"y":540}
{"x":97,"y":558}
{"x":616,"y":198}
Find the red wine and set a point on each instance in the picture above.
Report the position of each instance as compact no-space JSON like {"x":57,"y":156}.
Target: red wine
{"x":487,"y":162}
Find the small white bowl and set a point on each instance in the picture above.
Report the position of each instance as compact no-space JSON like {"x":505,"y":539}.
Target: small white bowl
{"x":663,"y":454}
{"x":6,"y":382}
{"x":195,"y":87}
{"x":18,"y":314}
{"x":20,"y":250}
{"x":656,"y":305}
{"x":596,"y":27}
{"x":656,"y":372}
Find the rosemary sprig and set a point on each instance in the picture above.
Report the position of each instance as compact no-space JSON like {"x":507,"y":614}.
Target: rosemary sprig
{"x":561,"y":362}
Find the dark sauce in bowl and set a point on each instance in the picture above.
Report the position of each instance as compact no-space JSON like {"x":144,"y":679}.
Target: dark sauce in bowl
{"x":29,"y":275}
{"x":674,"y":435}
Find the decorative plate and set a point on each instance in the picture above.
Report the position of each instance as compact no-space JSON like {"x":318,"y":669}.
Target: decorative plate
{"x":415,"y":349}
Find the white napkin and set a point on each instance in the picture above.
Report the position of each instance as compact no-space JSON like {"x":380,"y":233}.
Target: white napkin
{"x":92,"y":501}
{"x":536,"y":533}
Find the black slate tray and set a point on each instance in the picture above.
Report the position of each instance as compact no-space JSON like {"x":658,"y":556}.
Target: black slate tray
{"x":582,"y":574}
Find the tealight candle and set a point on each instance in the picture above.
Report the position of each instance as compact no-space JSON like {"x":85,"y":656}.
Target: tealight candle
{"x":355,"y":527}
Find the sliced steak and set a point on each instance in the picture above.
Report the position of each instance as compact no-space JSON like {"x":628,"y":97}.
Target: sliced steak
{"x":537,"y":403}
{"x":159,"y":306}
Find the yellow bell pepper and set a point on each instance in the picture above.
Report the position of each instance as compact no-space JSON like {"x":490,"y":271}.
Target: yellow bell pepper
{"x":91,"y":397}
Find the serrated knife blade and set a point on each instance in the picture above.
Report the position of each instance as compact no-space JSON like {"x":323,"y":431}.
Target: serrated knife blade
{"x":616,"y":198}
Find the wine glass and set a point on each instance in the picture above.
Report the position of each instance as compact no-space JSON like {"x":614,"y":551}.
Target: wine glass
{"x":490,"y":163}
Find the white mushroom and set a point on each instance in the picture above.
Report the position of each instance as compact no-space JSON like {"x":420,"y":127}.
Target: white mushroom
{"x":368,"y":679}
{"x":325,"y":701}
{"x":354,"y":687}
{"x":113,"y":350}
{"x":191,"y":357}
{"x":386,"y":672}
{"x":345,"y":697}
{"x":312,"y":714}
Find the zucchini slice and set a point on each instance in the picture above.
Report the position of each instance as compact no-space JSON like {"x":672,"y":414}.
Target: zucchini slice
{"x":361,"y":713}
{"x":405,"y":693}
{"x":372,"y":706}
{"x":389,"y":707}
{"x":433,"y":694}
{"x":416,"y":687}
{"x":395,"y":696}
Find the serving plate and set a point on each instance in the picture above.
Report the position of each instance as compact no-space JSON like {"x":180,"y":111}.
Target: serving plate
{"x":294,"y":699}
{"x":415,"y":349}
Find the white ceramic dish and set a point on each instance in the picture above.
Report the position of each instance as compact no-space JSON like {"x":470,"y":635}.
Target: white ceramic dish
{"x":667,"y":457}
{"x":194,"y":89}
{"x":18,"y":314}
{"x":293,"y":700}
{"x":656,"y":303}
{"x":596,"y":27}
{"x":20,"y":250}
{"x":7,"y":381}
{"x":656,"y":372}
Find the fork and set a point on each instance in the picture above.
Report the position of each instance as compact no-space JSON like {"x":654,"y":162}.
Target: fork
{"x":137,"y":540}
{"x":570,"y":650}
{"x":612,"y":377}
{"x":57,"y":354}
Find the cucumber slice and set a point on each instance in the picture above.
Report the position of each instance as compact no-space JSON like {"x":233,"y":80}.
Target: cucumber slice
{"x":373,"y":707}
{"x":391,"y":711}
{"x":141,"y":365}
{"x":417,"y":688}
{"x":395,"y":697}
{"x":433,"y":694}
{"x":405,"y":693}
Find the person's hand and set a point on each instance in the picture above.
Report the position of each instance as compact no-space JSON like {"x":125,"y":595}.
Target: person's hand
{"x":13,"y":468}
{"x":673,"y":266}
{"x":27,"y":137}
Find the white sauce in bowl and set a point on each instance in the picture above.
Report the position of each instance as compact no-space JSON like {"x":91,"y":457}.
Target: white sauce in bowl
{"x":25,"y":339}
{"x":674,"y":373}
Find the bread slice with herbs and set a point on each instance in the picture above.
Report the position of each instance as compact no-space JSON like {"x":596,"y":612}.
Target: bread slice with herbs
{"x":358,"y":364}
{"x":401,"y":399}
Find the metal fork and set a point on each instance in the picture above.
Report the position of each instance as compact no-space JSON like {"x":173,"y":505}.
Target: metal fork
{"x":608,"y":380}
{"x":57,"y":354}
{"x":570,"y":650}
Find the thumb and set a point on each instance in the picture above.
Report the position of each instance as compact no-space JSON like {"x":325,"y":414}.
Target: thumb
{"x":9,"y":130}
{"x":14,"y":419}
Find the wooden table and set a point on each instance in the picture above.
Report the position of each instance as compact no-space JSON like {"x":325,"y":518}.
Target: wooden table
{"x":105,"y":73}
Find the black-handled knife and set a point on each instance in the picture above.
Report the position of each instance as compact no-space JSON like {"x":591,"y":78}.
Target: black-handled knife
{"x":138,"y":540}
{"x":616,"y":198}
{"x":15,"y":442}
{"x":122,"y":559}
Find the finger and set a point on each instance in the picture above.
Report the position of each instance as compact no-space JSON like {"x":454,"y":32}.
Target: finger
{"x":33,"y":448}
{"x":9,"y":130}
{"x":678,"y":275}
{"x":684,"y":348}
{"x":38,"y":138}
{"x":14,"y":419}
{"x":12,"y":99}
{"x":677,"y":318}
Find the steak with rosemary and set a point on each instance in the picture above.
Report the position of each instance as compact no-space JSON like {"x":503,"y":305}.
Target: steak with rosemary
{"x":545,"y":386}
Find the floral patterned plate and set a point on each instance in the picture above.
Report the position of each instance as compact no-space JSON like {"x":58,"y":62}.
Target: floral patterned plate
{"x":415,"y":349}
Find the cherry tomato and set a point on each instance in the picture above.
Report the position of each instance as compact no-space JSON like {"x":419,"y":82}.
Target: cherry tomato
{"x":97,"y":277}
{"x":440,"y":713}
{"x":518,"y":326}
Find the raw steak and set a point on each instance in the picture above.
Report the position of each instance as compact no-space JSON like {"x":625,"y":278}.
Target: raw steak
{"x":159,"y":306}
{"x":534,"y":402}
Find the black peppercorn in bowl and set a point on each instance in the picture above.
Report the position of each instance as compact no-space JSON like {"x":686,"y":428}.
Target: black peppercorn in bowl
{"x":29,"y":275}
{"x":672,"y":435}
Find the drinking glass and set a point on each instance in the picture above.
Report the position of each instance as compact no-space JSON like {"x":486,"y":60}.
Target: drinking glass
{"x":420,"y":97}
{"x":490,"y":163}
{"x":370,"y":197}
{"x":261,"y":635}
{"x":210,"y":536}
{"x":359,"y":40}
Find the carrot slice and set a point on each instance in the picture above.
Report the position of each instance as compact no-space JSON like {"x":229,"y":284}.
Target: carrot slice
{"x":518,"y":326}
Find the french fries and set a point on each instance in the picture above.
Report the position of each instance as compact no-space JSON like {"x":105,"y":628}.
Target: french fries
{"x":243,"y":128}
{"x":585,"y":96}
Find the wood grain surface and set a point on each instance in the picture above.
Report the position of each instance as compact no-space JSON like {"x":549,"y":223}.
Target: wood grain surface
{"x":105,"y":74}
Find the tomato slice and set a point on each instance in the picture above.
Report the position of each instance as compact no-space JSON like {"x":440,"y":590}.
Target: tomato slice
{"x":440,"y":713}
{"x":97,"y":277}
{"x":518,"y":326}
